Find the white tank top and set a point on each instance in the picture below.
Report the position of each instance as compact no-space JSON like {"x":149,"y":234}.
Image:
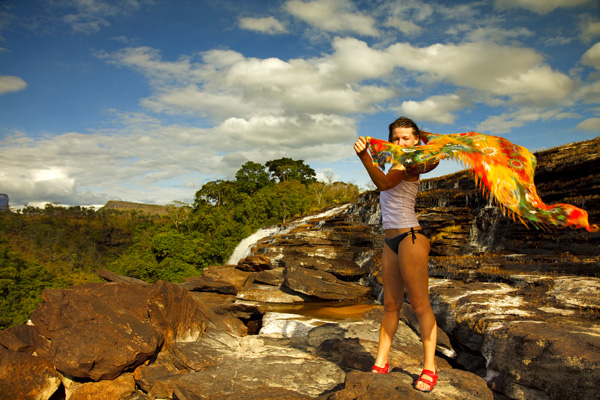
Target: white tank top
{"x":398,"y":205}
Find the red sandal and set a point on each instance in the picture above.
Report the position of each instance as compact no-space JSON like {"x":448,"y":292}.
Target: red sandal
{"x":431,"y":383}
{"x":380,"y":370}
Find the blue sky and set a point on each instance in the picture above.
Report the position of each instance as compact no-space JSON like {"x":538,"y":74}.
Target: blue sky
{"x":147,"y":100}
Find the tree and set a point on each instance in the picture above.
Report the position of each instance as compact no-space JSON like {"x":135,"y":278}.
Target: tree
{"x":285,"y":169}
{"x":252,"y":177}
{"x":216,"y":193}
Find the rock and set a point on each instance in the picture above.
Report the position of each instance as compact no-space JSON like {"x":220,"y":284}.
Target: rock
{"x":272,"y":294}
{"x":23,"y":338}
{"x":227,"y":365}
{"x":559,"y":362}
{"x":122,"y":387}
{"x":225,"y":279}
{"x":150,"y":377}
{"x":255,"y":263}
{"x":337,"y":267}
{"x":515,"y":335}
{"x":452,"y":385}
{"x":112,"y":277}
{"x":23,"y":376}
{"x":323,"y":285}
{"x":178,"y":315}
{"x":272,"y":277}
{"x":368,"y":386}
{"x":577,"y":292}
{"x":97,"y":331}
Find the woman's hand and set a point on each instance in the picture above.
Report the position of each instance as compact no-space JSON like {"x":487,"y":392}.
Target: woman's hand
{"x":361,"y":147}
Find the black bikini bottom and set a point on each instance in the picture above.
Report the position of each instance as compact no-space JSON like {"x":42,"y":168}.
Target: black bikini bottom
{"x":394,"y":242}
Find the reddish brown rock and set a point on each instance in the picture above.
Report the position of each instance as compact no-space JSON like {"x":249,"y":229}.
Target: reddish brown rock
{"x":225,"y":279}
{"x":23,"y":376}
{"x":24,"y":338}
{"x":255,"y":263}
{"x":122,"y":387}
{"x":97,"y":331}
{"x":176,"y":313}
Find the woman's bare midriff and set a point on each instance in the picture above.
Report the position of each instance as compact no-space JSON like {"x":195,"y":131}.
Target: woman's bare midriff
{"x":390,"y":233}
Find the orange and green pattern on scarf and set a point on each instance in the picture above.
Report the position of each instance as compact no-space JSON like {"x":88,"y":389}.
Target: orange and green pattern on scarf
{"x":503,"y":168}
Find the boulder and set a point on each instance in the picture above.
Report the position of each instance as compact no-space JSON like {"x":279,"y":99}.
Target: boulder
{"x":96,"y":331}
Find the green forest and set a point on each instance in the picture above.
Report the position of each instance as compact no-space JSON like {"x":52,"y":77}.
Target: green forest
{"x":58,"y":246}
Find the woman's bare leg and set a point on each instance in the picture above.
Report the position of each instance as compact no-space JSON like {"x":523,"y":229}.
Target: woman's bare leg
{"x":413,"y":260}
{"x":393,"y":294}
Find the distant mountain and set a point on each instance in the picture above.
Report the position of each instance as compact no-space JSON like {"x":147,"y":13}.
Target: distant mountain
{"x":152,"y":209}
{"x":4,"y":202}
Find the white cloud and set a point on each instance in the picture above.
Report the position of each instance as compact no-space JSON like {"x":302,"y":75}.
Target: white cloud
{"x":436,"y":108}
{"x":590,"y":27}
{"x":592,"y":56}
{"x":333,"y":16}
{"x":591,"y":125}
{"x":268,"y":25}
{"x":515,"y":72}
{"x":90,"y":16}
{"x":539,"y":6}
{"x":504,"y":122}
{"x":11,"y":84}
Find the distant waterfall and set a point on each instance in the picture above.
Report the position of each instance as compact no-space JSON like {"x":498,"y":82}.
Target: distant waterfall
{"x":244,"y":248}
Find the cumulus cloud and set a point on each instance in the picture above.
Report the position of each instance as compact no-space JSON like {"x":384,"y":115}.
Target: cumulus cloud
{"x":334,"y":16}
{"x":11,"y":84}
{"x":268,"y":25}
{"x":436,"y":108}
{"x":504,"y":122}
{"x":514,"y":72}
{"x":591,"y":125}
{"x":539,"y":7}
{"x":592,"y":57}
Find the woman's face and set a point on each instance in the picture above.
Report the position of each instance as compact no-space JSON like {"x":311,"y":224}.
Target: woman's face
{"x":404,"y":137}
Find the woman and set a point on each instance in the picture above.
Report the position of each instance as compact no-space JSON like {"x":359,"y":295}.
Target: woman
{"x":405,"y":253}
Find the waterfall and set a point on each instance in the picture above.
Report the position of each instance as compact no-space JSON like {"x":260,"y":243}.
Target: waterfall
{"x":244,"y":248}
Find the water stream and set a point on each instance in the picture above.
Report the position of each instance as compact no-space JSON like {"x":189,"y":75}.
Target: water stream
{"x":244,"y":248}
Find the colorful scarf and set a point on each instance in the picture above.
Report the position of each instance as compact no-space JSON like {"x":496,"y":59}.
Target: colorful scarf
{"x":505,"y":169}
